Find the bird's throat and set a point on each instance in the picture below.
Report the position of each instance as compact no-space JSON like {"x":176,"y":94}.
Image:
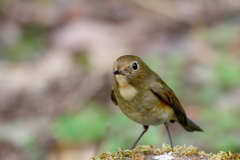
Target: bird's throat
{"x":127,"y":91}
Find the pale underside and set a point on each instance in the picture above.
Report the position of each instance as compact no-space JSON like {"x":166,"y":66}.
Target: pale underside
{"x":126,"y":90}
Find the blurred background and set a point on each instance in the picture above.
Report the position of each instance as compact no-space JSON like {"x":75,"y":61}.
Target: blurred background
{"x":56,"y":60}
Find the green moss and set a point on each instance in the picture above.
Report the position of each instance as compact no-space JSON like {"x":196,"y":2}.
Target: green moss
{"x":225,"y":155}
{"x":178,"y":152}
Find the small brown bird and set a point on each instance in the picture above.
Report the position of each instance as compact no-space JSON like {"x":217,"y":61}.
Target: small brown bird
{"x":145,"y":98}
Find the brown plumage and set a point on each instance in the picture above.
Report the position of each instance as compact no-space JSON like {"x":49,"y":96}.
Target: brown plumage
{"x":145,"y":98}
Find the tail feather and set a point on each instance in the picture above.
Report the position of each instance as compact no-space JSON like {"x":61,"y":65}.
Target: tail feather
{"x":191,"y":126}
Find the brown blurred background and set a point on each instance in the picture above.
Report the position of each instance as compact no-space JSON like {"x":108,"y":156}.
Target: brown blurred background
{"x":56,"y":61}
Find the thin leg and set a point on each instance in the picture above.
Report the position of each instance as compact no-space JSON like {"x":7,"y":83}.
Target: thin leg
{"x":166,"y":125}
{"x":145,"y":128}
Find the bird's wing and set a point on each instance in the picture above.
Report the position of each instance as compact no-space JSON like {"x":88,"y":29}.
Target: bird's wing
{"x":114,"y":100}
{"x":167,"y":95}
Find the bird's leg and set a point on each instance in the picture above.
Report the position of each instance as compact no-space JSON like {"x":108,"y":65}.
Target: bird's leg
{"x":166,"y":125}
{"x":145,"y":128}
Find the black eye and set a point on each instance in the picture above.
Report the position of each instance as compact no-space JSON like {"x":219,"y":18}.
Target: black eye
{"x":135,"y":66}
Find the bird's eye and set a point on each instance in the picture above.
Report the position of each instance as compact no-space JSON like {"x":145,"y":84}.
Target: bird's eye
{"x":135,"y":66}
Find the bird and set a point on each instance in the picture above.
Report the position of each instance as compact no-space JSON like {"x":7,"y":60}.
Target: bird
{"x":145,"y":98}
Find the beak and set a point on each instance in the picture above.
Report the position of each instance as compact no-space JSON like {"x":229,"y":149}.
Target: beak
{"x":118,"y":71}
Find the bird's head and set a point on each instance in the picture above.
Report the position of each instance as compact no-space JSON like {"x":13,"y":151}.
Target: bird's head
{"x":130,"y":69}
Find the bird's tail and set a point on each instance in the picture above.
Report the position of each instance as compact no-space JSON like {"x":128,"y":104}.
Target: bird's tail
{"x":191,"y":126}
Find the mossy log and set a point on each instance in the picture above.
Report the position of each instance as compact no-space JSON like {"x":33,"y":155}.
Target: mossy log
{"x":166,"y":153}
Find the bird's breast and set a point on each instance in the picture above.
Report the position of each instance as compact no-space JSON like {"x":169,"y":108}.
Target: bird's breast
{"x":143,"y":107}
